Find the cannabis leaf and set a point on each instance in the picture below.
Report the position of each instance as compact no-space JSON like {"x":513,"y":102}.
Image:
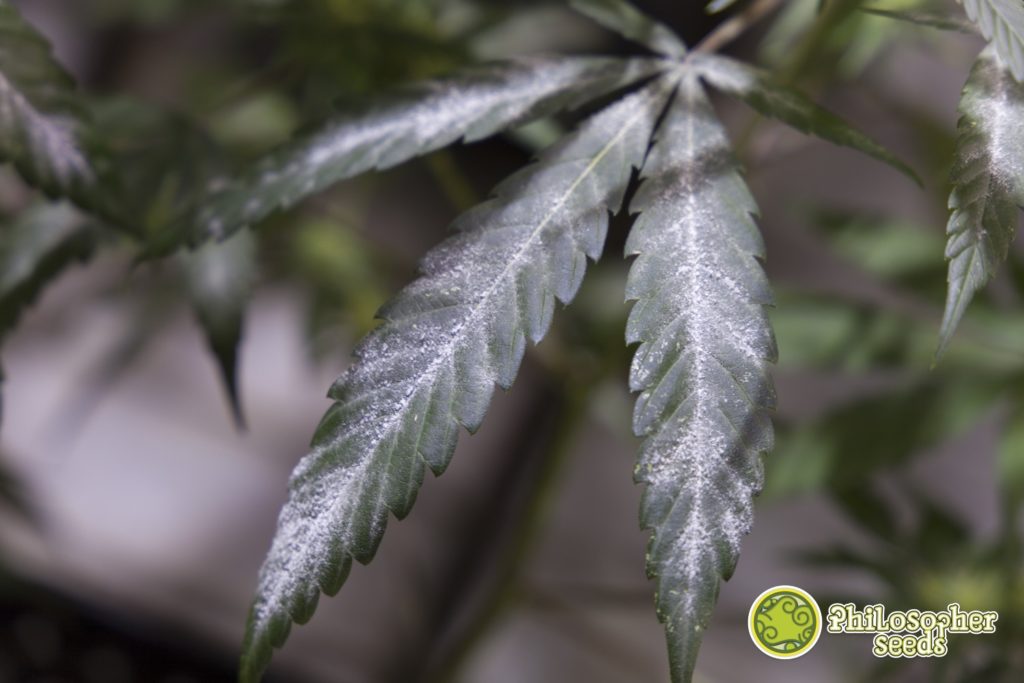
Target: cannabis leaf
{"x":622,"y":17}
{"x":1002,"y":22}
{"x":925,"y":18}
{"x":755,"y":87}
{"x":701,"y":367}
{"x":446,"y":340}
{"x":34,"y":249}
{"x":39,"y":115}
{"x":219,"y":276}
{"x":988,"y":184}
{"x":470,"y":105}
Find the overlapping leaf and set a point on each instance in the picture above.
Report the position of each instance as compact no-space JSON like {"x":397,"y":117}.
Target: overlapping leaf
{"x":701,"y":367}
{"x":622,"y":17}
{"x":39,"y":115}
{"x":470,"y":105}
{"x":988,"y":184}
{"x":755,"y":87}
{"x":1002,"y":22}
{"x":446,"y":340}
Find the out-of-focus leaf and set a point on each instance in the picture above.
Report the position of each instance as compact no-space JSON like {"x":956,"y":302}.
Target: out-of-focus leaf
{"x":701,"y":367}
{"x":431,"y":367}
{"x":988,"y":185}
{"x":471,"y":105}
{"x":755,"y":87}
{"x":219,"y":277}
{"x":34,"y":250}
{"x":1010,"y":456}
{"x":716,"y":6}
{"x":937,"y":20}
{"x":1001,"y":22}
{"x":40,"y":117}
{"x":622,"y":17}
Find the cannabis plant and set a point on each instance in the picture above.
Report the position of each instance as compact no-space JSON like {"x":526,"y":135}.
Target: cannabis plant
{"x":650,"y":145}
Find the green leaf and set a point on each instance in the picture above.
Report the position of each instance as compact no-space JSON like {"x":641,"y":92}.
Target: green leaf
{"x":39,"y":115}
{"x":1002,"y":22}
{"x":34,"y":250}
{"x":925,"y":18}
{"x":446,"y":340}
{"x":623,"y":18}
{"x":701,"y":367}
{"x":470,"y":105}
{"x":988,"y":184}
{"x":219,"y":277}
{"x":755,"y":87}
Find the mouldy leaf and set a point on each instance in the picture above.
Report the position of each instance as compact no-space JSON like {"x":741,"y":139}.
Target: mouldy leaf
{"x":220,"y":276}
{"x":39,"y":116}
{"x":470,"y":105}
{"x":623,"y":18}
{"x":34,"y":250}
{"x":431,"y":366}
{"x":701,"y":367}
{"x":988,"y":184}
{"x":1001,"y":22}
{"x":755,"y":87}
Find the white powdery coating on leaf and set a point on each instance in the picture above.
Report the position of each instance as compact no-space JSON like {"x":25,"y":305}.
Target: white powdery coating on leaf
{"x":446,"y":340}
{"x":1002,"y":22}
{"x":701,"y":367}
{"x":471,"y":105}
{"x":46,"y":144}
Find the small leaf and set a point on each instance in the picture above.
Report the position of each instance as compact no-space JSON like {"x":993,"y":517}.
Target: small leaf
{"x":716,"y":6}
{"x":34,"y":250}
{"x":623,"y":18}
{"x":755,"y":87}
{"x":446,"y":340}
{"x":220,"y":276}
{"x":39,"y":115}
{"x":988,"y":184}
{"x":1002,"y":22}
{"x":470,"y":105}
{"x":701,"y":367}
{"x":937,"y":20}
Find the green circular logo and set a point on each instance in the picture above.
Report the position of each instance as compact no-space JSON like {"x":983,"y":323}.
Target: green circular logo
{"x":784,"y":622}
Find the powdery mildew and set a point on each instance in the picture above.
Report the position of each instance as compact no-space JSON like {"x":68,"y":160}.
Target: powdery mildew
{"x":702,"y":364}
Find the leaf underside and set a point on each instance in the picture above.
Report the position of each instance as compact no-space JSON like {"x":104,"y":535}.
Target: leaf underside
{"x":623,"y":18}
{"x":1002,"y":23}
{"x":701,"y":367}
{"x":446,"y":340}
{"x":988,"y":184}
{"x":469,"y":105}
{"x":39,"y":117}
{"x":755,"y":87}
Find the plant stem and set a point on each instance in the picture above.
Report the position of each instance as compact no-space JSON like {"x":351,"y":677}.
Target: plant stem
{"x":732,"y":28}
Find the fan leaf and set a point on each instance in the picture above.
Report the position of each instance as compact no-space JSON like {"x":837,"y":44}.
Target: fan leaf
{"x":701,"y":367}
{"x":756,"y":87}
{"x":470,"y":105}
{"x":625,"y":19}
{"x":988,"y":184}
{"x":1002,"y":23}
{"x":446,"y":340}
{"x":40,"y":117}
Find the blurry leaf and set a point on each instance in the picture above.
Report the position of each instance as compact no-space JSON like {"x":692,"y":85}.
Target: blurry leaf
{"x":1002,"y":22}
{"x":623,"y":18}
{"x":471,"y":105}
{"x":988,"y":185}
{"x":39,"y":115}
{"x":701,"y":367}
{"x":34,"y":250}
{"x":937,"y":20}
{"x":431,"y":366}
{"x":716,"y":6}
{"x":941,"y":535}
{"x":755,"y":87}
{"x":12,"y":493}
{"x":869,"y":510}
{"x":849,"y":444}
{"x":220,"y":276}
{"x":1010,"y":456}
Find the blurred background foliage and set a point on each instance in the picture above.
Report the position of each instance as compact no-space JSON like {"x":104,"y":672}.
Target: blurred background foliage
{"x":183,"y":89}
